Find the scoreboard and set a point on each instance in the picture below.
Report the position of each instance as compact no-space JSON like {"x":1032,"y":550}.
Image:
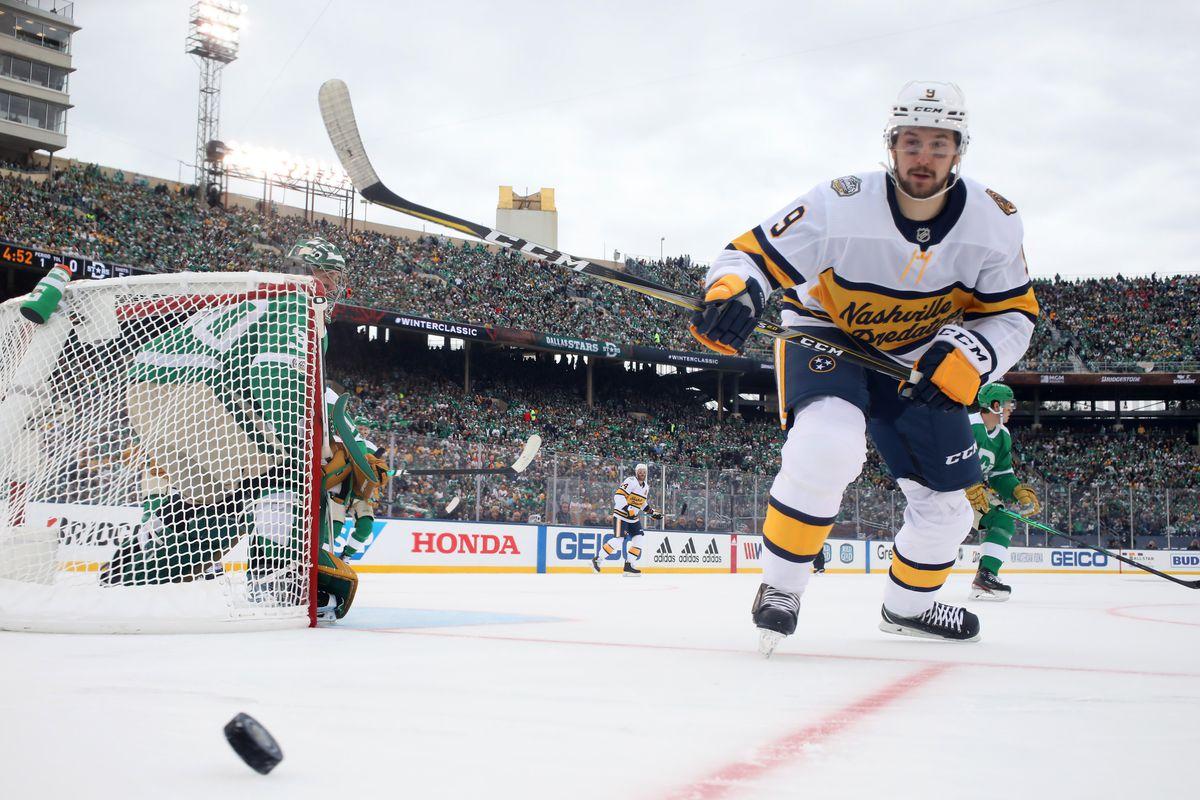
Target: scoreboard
{"x":21,"y":257}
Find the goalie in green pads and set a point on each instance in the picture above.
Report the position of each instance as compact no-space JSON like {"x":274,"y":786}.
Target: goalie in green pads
{"x":217,"y":406}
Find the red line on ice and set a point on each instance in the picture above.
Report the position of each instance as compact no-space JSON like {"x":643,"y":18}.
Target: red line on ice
{"x":794,"y":746}
{"x":778,"y":656}
{"x":1122,"y":611}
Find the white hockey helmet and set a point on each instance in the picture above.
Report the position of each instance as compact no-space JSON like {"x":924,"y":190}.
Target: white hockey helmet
{"x":929,"y":104}
{"x":641,"y":468}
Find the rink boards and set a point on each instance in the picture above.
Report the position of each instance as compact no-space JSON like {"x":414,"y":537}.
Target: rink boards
{"x":442,"y":546}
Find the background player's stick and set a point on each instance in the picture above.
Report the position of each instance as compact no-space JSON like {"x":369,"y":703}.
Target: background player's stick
{"x":528,"y":454}
{"x":1190,"y":584}
{"x":343,"y":133}
{"x":682,"y":510}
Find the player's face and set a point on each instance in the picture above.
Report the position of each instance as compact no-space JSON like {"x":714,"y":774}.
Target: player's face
{"x":1001,"y":414}
{"x":331,"y":282}
{"x":641,"y":475}
{"x":924,"y":158}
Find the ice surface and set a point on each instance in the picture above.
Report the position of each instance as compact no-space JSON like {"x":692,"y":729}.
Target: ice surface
{"x":597,"y":686}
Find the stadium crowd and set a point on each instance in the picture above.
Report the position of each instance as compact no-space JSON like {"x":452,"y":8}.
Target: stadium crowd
{"x":110,"y":217}
{"x":1146,"y":319}
{"x":118,"y":219}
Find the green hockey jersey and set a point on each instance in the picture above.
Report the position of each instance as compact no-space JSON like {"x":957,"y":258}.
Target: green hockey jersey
{"x":251,"y":353}
{"x":995,"y":457}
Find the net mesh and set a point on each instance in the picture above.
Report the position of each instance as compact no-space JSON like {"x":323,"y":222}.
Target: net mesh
{"x":157,"y":474}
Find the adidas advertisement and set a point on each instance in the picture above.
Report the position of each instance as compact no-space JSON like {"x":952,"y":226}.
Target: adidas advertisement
{"x":572,"y":549}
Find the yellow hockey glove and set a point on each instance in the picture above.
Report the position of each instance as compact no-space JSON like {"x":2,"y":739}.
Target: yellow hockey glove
{"x":1027,"y":498}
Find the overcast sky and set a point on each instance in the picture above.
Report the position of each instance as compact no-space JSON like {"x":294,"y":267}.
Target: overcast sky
{"x":688,"y":120}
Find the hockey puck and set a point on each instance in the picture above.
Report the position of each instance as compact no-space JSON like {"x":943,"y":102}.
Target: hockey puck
{"x":251,"y":741}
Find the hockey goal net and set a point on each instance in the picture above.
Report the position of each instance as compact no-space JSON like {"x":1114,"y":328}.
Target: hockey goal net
{"x":159,"y":456}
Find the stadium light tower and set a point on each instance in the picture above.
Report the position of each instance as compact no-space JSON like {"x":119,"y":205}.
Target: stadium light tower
{"x":213,"y":32}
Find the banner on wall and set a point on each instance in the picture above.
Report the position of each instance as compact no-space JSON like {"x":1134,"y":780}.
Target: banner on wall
{"x":442,"y":546}
{"x":572,"y":549}
{"x":841,"y":555}
{"x":416,"y":545}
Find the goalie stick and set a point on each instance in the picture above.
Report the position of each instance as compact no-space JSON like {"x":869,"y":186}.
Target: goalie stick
{"x":1190,"y":584}
{"x":528,"y":454}
{"x":342,"y":128}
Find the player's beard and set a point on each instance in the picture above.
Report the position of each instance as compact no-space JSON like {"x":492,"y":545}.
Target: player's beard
{"x":912,"y":190}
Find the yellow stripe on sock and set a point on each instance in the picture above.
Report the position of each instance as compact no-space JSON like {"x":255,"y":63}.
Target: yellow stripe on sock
{"x":792,"y":535}
{"x":921,"y":577}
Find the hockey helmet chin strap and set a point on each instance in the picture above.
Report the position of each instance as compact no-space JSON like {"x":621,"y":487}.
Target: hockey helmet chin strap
{"x":891,"y":171}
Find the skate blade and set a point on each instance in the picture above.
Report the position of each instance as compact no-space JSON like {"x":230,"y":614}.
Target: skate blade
{"x":632,"y":574}
{"x":987,"y":594}
{"x":768,"y":641}
{"x":901,"y":630}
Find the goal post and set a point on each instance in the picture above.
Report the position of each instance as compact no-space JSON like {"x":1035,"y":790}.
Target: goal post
{"x":159,"y":456}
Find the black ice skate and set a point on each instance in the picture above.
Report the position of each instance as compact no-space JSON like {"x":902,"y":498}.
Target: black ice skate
{"x":987,"y":586}
{"x":595,"y":563}
{"x":953,"y":623}
{"x":774,"y":612}
{"x":630,"y":571}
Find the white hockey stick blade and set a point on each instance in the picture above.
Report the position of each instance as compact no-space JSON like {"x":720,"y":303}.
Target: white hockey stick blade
{"x":453,"y":504}
{"x":528,"y":454}
{"x":338,"y":114}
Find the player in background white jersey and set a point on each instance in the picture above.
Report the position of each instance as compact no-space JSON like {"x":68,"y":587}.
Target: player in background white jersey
{"x":630,"y":501}
{"x":915,"y":263}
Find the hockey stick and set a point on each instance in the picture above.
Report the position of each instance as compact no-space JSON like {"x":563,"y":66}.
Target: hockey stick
{"x":528,"y":454}
{"x":1190,"y":584}
{"x":342,"y":128}
{"x":682,"y":511}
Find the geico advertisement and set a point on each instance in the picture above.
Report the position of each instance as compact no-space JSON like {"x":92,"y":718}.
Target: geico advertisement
{"x":568,"y":548}
{"x":460,"y":544}
{"x":1020,"y":559}
{"x":840,"y":554}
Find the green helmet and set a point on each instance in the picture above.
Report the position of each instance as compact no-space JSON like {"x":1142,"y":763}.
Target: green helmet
{"x":994,"y":393}
{"x":316,"y":253}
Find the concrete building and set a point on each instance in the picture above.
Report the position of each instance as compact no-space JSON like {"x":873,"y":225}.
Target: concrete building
{"x":532,"y":217}
{"x":35,"y":65}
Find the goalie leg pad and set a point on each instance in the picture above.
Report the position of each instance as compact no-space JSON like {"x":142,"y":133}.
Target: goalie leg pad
{"x":335,"y":577}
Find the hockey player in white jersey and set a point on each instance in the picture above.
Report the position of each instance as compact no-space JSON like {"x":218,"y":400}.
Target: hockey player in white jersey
{"x":916,"y":263}
{"x":630,"y":501}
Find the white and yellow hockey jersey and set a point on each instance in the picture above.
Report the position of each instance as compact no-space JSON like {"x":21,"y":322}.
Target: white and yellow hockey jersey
{"x":630,"y":498}
{"x":847,"y":258}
